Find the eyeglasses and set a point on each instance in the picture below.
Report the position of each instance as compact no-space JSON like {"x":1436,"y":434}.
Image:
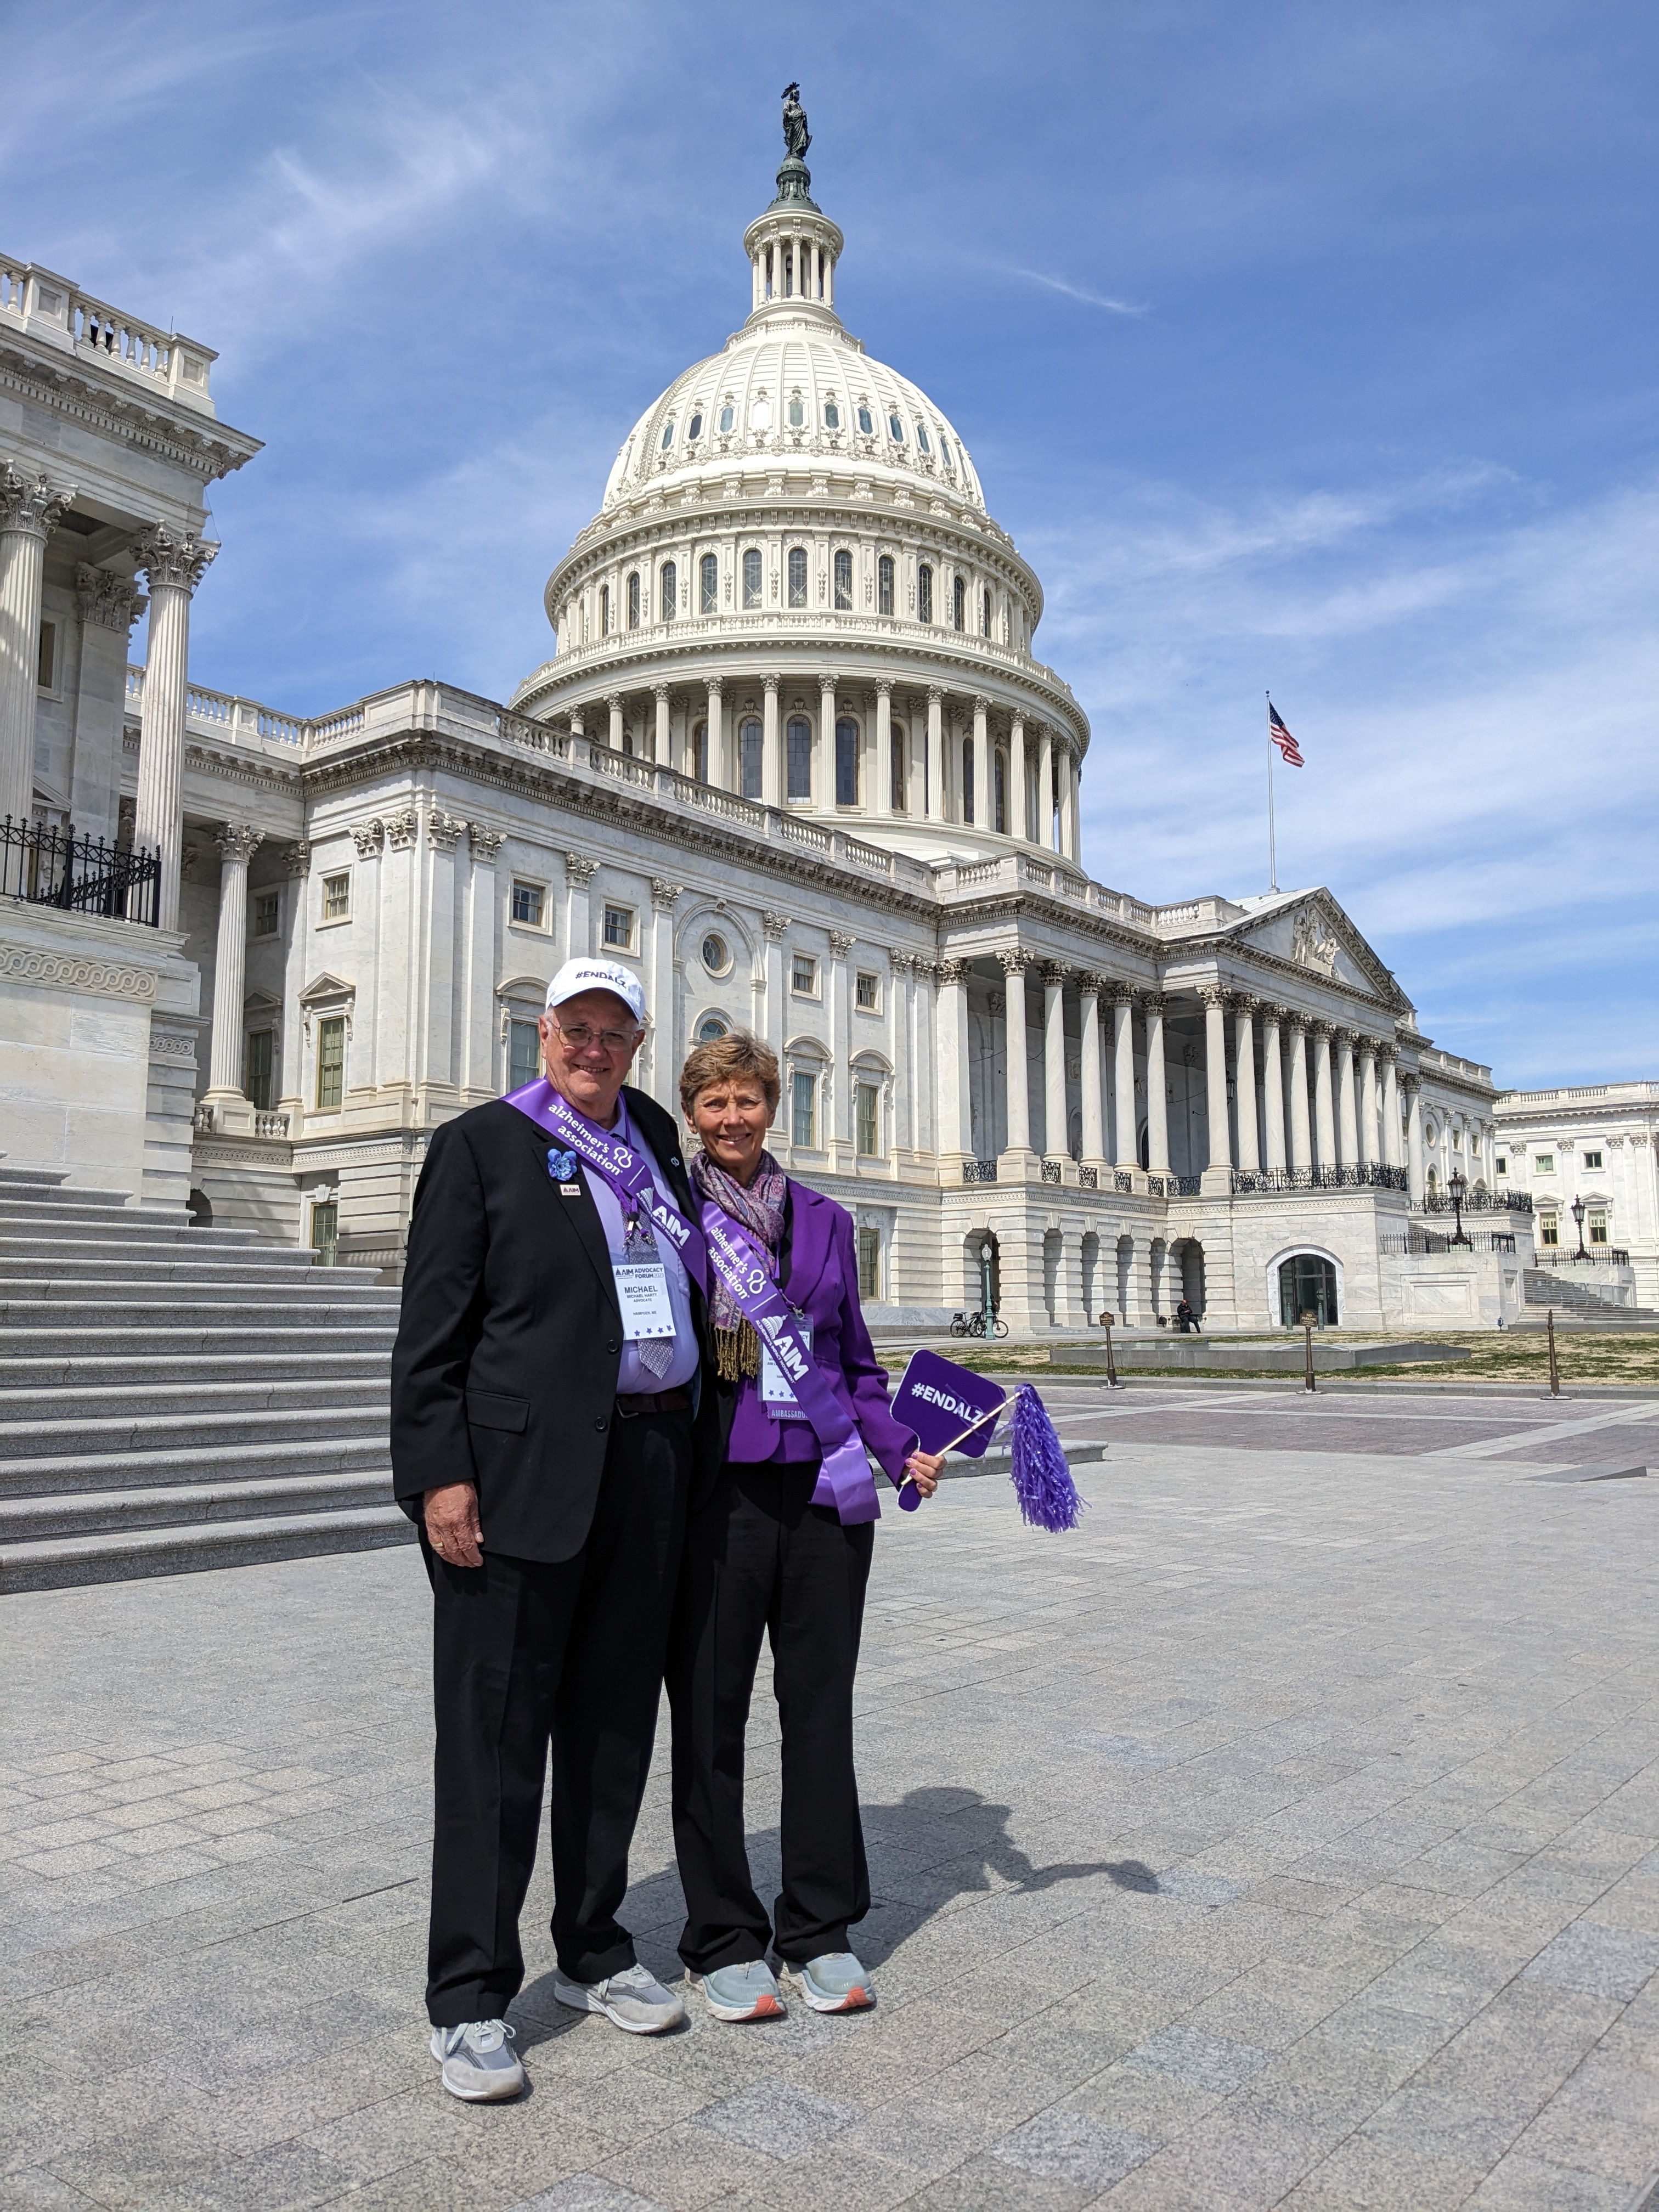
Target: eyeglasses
{"x":579,"y":1037}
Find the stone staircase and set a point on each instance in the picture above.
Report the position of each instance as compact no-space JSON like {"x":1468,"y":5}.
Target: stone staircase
{"x":1579,"y":1305}
{"x":174,"y":1398}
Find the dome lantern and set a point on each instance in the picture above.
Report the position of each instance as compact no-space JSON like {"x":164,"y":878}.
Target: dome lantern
{"x":793,"y":246}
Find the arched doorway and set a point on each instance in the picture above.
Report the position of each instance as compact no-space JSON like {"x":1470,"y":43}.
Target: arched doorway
{"x":1307,"y":1283}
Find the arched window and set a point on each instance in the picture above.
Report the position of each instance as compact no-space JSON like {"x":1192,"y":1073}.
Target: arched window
{"x":895,"y":429}
{"x":797,"y":575}
{"x":922,"y":439}
{"x":831,"y":416}
{"x":967,"y":779}
{"x":751,"y":580}
{"x":710,"y":1028}
{"x":924,"y":594}
{"x":711,"y":583}
{"x":897,"y":769}
{"x":668,"y":433}
{"x":866,"y":422}
{"x":1000,"y":763}
{"x":843,"y":582}
{"x":847,"y":763}
{"x":699,"y":752}
{"x":694,"y":428}
{"x":670,"y":591}
{"x":943,"y":452}
{"x":728,"y":416}
{"x":797,"y":412}
{"x":605,"y":610}
{"x":985,"y":615}
{"x":749,"y":759}
{"x":884,"y":585}
{"x":634,"y":600}
{"x":800,"y":758}
{"x":958,"y":604}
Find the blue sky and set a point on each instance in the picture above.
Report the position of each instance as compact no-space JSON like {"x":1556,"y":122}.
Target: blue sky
{"x":1297,"y":346}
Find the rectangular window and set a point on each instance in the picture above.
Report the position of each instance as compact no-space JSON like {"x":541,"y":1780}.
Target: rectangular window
{"x":1501,"y":1167}
{"x":336,"y":897}
{"x":869,"y":1249}
{"x":866,"y":992}
{"x":802,"y":1109}
{"x":799,"y":751}
{"x":804,"y":975}
{"x":1544,"y":1163}
{"x":326,"y":1228}
{"x":750,"y":739}
{"x":884,"y":585}
{"x":843,"y":583}
{"x":924,"y":594}
{"x":267,"y":913}
{"x":751,"y":580}
{"x":523,"y":1054}
{"x":1592,"y":1159}
{"x":1549,"y":1230}
{"x":634,"y":600}
{"x":47,"y":669}
{"x":256,"y":1058}
{"x":868,"y":1104}
{"x":1596,"y":1225}
{"x":797,"y":575}
{"x":709,"y":571}
{"x":527,"y":904}
{"x":619,"y":928}
{"x":331,"y":1063}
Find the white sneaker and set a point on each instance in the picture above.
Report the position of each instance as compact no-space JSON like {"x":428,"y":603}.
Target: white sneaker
{"x":633,"y":1999}
{"x":475,"y":2061}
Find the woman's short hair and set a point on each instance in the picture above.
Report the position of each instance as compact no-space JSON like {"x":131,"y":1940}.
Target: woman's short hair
{"x":723,"y":1059}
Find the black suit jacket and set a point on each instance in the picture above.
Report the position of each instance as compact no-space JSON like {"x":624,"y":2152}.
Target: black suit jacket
{"x":510,"y":1337}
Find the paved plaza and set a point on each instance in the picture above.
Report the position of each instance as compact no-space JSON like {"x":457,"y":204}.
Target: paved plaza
{"x":1288,"y":1836}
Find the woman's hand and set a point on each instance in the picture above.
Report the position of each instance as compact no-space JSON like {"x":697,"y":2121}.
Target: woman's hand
{"x":923,"y":1469}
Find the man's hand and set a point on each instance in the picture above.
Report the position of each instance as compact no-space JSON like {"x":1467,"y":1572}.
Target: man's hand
{"x":922,"y":1467}
{"x":453,"y":1527}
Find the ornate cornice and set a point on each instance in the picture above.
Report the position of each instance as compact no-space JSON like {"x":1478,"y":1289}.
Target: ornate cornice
{"x":198,"y":443}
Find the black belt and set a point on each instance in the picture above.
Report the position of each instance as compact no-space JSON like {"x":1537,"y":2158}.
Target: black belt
{"x":630,"y":1403}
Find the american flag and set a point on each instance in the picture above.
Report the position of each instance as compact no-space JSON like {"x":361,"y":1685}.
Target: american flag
{"x":1289,"y":750}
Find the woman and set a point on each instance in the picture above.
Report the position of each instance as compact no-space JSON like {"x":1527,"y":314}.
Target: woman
{"x":760,"y":1555}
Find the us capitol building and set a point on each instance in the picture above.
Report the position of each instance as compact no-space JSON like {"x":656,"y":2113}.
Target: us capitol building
{"x":795,"y":757}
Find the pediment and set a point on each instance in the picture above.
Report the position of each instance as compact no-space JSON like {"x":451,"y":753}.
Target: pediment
{"x":327,"y":990}
{"x":1310,"y":931}
{"x":520,"y":990}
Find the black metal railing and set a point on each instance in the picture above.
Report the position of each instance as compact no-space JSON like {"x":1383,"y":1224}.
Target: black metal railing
{"x":979,"y":1171}
{"x":1088,"y":1178}
{"x":1174,"y":1186}
{"x":1051,"y":1170}
{"x":82,"y":875}
{"x":1123,"y":1182}
{"x":1356,"y":1175}
{"x":1594,"y":1256}
{"x":1475,"y":1201}
{"x":1432,"y":1240}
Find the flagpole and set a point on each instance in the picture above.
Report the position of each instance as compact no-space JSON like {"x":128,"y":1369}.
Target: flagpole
{"x":1273,"y":849}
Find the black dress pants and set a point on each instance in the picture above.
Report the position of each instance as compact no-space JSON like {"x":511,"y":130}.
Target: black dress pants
{"x":527,"y":1653}
{"x":761,"y":1559}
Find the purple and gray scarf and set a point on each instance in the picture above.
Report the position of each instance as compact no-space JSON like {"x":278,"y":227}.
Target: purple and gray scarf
{"x":760,"y":1210}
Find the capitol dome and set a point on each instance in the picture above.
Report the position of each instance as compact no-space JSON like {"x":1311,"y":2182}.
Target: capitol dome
{"x":792,"y":590}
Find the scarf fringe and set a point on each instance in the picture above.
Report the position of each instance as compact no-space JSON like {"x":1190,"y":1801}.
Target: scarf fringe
{"x":737,"y":1352}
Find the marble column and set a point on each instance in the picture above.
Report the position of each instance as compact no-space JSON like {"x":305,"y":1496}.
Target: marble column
{"x":841,"y":1080}
{"x":1018,"y":824}
{"x":1016,"y":1115}
{"x":825,"y":781}
{"x":1093,"y":1109}
{"x":1070,"y":841}
{"x":29,"y":513}
{"x":1390,"y":1108}
{"x":1347,"y":1117}
{"x":717,"y":773}
{"x":1055,"y":1132}
{"x":772,"y":777}
{"x":1324,"y":1117}
{"x":1123,"y":1076}
{"x":1370,"y":1132}
{"x":297,"y":859}
{"x":1301,"y":1134}
{"x":1273,"y":1093}
{"x":1045,"y":821}
{"x":478,"y":1013}
{"x":1157,"y":1105}
{"x":1415,"y":1165}
{"x":617,"y":731}
{"x":951,"y":1027}
{"x":984,"y":809}
{"x":659,"y":741}
{"x":879,"y":797}
{"x":935,"y":753}
{"x":174,"y":562}
{"x":1220,"y":1161}
{"x":236,"y":848}
{"x":1244,"y":1081}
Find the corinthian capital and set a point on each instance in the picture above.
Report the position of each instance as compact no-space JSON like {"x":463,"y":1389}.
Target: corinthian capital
{"x":108,"y":601}
{"x":238,"y":841}
{"x":37,"y":508}
{"x":174,"y":557}
{"x":1014,"y":962}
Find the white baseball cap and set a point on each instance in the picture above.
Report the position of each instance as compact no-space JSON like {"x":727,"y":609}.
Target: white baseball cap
{"x":579,"y":975}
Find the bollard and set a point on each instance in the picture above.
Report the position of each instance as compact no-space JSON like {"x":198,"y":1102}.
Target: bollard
{"x":1555,"y":1372}
{"x":1111,"y":1365}
{"x":1307,"y":1331}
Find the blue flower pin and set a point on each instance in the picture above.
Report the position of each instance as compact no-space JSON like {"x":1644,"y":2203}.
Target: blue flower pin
{"x":560,"y":1165}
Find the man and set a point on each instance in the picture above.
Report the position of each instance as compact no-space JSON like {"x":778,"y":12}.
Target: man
{"x":546,"y":1415}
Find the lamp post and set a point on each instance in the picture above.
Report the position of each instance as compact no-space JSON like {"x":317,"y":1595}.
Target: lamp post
{"x":1457,"y":1184}
{"x":1577,"y":1210}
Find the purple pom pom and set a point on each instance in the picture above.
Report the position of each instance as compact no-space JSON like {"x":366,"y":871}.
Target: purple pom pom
{"x":1042,"y":1481}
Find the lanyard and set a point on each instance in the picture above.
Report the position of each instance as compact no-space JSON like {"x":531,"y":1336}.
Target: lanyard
{"x":719,"y":1244}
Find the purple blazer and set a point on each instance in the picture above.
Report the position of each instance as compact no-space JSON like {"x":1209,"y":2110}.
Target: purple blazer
{"x":823,"y":1284}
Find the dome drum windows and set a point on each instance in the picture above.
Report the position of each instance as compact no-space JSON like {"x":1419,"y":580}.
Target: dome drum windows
{"x":843,"y":582}
{"x":799,"y":758}
{"x":797,"y":411}
{"x":958,"y":604}
{"x":694,"y":428}
{"x":667,"y":433}
{"x":760,"y":413}
{"x":985,"y":614}
{"x":751,"y":580}
{"x":728,"y":416}
{"x":847,"y":763}
{"x":884,"y":585}
{"x":921,"y":440}
{"x":924,"y":594}
{"x":896,"y":428}
{"x":709,"y":574}
{"x":797,"y":575}
{"x":749,"y":742}
{"x":831,"y":416}
{"x":605,"y":610}
{"x":634,"y":600}
{"x":866,"y":422}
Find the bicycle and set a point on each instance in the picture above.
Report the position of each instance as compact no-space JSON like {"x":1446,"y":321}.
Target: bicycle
{"x":980,"y":1324}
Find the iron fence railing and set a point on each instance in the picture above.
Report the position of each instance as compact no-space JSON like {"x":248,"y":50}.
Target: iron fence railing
{"x":1475,"y":1201}
{"x":1355,"y":1175}
{"x":979,"y":1171}
{"x":1433,"y":1240}
{"x":1595,"y":1256}
{"x":46,"y":866}
{"x":1051,"y":1170}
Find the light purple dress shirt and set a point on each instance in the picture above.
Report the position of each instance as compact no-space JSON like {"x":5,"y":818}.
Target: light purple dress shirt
{"x":633,"y":1376}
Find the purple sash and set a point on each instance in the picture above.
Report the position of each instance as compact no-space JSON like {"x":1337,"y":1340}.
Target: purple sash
{"x":844,"y":1480}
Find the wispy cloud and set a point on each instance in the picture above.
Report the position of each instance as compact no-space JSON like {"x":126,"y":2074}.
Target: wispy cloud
{"x":1083,"y":292}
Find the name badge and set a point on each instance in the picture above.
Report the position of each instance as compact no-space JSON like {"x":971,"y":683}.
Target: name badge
{"x":642,"y":1298}
{"x":775,"y":1396}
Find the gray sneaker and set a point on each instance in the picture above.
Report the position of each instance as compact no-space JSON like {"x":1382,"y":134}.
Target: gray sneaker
{"x":833,"y":1982}
{"x":633,"y":1999}
{"x":749,"y":1991}
{"x":475,"y":2061}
